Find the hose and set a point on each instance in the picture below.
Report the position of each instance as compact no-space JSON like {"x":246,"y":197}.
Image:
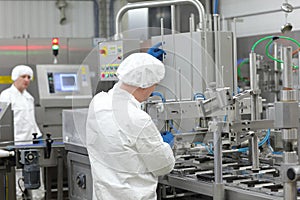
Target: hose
{"x":199,"y":95}
{"x":159,"y":95}
{"x":216,"y":7}
{"x":244,"y":61}
{"x":273,"y":38}
{"x":271,"y":57}
{"x":259,"y":41}
{"x":208,"y":149}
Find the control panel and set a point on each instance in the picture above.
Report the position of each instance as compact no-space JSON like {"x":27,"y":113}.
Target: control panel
{"x":112,"y":54}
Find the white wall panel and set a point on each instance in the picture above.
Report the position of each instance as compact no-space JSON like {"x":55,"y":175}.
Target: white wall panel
{"x":41,"y":19}
{"x":266,"y":16}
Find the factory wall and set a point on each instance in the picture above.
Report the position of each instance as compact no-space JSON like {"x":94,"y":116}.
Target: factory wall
{"x":36,"y":19}
{"x":260,"y":17}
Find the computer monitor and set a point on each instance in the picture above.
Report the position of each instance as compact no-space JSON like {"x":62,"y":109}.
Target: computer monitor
{"x":65,"y":82}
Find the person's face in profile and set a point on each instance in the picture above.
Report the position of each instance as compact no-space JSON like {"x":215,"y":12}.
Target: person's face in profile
{"x":22,"y":82}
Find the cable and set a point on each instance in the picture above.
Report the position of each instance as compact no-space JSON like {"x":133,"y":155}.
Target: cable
{"x":24,"y":192}
{"x":159,"y":95}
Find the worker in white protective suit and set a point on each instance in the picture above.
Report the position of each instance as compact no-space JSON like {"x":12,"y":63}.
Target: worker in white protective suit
{"x":126,"y":150}
{"x":22,"y":104}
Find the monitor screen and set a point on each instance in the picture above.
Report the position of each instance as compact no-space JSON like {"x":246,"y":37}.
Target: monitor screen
{"x":65,"y":82}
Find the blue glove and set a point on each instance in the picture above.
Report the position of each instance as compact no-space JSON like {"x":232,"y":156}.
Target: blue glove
{"x":168,"y":138}
{"x":156,"y":51}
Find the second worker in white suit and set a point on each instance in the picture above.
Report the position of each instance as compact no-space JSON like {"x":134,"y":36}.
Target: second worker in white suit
{"x":22,"y":104}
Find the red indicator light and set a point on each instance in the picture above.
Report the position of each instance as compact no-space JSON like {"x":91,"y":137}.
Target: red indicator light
{"x":102,"y":51}
{"x":55,"y":41}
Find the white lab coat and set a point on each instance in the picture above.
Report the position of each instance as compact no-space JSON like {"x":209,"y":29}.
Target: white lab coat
{"x":126,"y":151}
{"x":22,"y":105}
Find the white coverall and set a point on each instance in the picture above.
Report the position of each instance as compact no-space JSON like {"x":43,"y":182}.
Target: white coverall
{"x":126,"y":150}
{"x":22,"y":105}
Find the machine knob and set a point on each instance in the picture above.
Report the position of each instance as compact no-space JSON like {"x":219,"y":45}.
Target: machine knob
{"x":30,"y":157}
{"x":81,"y":181}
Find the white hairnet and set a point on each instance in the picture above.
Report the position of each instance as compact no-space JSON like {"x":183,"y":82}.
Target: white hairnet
{"x":141,"y":70}
{"x":21,"y":70}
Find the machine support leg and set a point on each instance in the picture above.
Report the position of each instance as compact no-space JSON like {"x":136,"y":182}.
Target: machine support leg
{"x":60,"y":163}
{"x":218,"y":185}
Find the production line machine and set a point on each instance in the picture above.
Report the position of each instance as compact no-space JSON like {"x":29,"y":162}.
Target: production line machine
{"x":225,"y":158}
{"x":228,"y":142}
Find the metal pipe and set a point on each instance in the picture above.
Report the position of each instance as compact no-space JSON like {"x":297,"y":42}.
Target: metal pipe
{"x":258,"y":13}
{"x":217,"y":47}
{"x":218,"y":155}
{"x":60,"y":163}
{"x":276,"y":81}
{"x":290,"y":190}
{"x":219,"y":193}
{"x":235,"y":76}
{"x":173,"y":31}
{"x":179,"y":81}
{"x":252,"y":61}
{"x":208,"y":14}
{"x":162,"y":32}
{"x":287,"y":68}
{"x":289,"y":135}
{"x":254,"y":110}
{"x":298,"y":77}
{"x":191,"y":20}
{"x":150,"y":4}
{"x":254,"y":152}
{"x":173,"y":19}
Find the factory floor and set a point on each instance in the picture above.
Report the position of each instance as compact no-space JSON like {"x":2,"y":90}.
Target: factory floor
{"x":192,"y":198}
{"x":197,"y":197}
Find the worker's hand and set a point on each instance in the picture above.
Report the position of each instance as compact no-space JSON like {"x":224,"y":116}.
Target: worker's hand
{"x":168,"y":138}
{"x":156,"y":51}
